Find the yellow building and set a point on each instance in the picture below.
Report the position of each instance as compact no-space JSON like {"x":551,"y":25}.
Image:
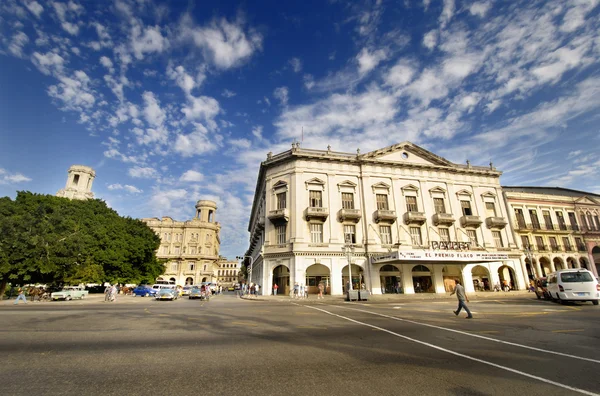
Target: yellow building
{"x":191,"y":247}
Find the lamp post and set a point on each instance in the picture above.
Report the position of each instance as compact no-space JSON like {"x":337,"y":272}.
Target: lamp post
{"x":348,"y":249}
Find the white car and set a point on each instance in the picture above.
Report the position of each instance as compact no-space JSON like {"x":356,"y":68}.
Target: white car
{"x":576,"y":284}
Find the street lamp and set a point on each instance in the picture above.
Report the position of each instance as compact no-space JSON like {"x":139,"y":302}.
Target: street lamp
{"x":348,"y":249}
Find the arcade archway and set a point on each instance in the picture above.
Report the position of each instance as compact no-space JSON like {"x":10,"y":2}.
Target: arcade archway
{"x":507,"y":277}
{"x":318,"y":273}
{"x":422,"y":281}
{"x":571,"y":262}
{"x":281,"y":278}
{"x":391,"y":279}
{"x":583,"y":263}
{"x":481,"y":278}
{"x":545,"y":265}
{"x":558,"y":263}
{"x":357,"y":277}
{"x":189,"y":281}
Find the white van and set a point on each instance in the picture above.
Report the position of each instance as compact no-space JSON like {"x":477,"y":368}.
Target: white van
{"x":573,"y":285}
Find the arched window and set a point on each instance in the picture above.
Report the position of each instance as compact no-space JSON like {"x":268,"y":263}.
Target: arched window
{"x":420,"y":268}
{"x":388,"y":268}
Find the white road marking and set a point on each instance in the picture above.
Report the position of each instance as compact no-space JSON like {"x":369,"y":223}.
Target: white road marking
{"x":558,"y":384}
{"x":477,"y":336}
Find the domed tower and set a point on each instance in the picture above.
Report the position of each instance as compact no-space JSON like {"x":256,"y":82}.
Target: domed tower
{"x":79,"y":183}
{"x":206,"y":211}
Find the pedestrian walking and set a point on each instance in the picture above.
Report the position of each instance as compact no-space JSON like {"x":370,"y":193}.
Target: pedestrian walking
{"x":459,"y":290}
{"x":107,"y":291}
{"x":275,"y":287}
{"x":113,"y":293}
{"x":20,"y":296}
{"x":295,"y":295}
{"x":321,"y":289}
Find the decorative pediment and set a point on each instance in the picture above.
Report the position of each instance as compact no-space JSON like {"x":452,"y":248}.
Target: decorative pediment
{"x":410,"y":189}
{"x":585,"y":200}
{"x":380,"y":186}
{"x":315,"y":182}
{"x":464,"y":193}
{"x":489,"y":195}
{"x":280,"y":185}
{"x":437,"y":191}
{"x":407,"y":152}
{"x":347,"y":185}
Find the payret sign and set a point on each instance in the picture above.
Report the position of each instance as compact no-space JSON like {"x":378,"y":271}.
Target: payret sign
{"x":438,"y":256}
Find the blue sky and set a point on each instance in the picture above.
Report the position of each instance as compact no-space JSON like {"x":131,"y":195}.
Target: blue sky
{"x":171,"y":102}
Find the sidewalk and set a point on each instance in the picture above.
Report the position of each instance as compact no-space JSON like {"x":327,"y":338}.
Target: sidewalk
{"x":404,"y":297}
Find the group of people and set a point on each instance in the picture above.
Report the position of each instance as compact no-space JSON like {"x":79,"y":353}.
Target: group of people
{"x":251,"y":290}
{"x":110,"y":293}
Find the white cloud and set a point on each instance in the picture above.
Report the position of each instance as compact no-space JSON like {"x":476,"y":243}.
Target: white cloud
{"x":281,"y":93}
{"x":430,"y":39}
{"x":19,"y":40}
{"x":48,"y":63}
{"x":191,"y":176}
{"x":165,"y":202}
{"x":106,"y":62}
{"x":240,"y":143}
{"x":575,"y":16}
{"x":400,"y":74}
{"x":296,"y":64}
{"x":429,"y":86}
{"x":145,"y":40}
{"x":12,"y":178}
{"x":71,"y":28}
{"x":195,"y":143}
{"x":480,"y":9}
{"x":185,"y":81}
{"x":142,"y":172}
{"x":151,"y":135}
{"x":575,"y":153}
{"x":226,"y":44}
{"x":126,"y":187}
{"x":75,"y":91}
{"x":257,"y":132}
{"x":368,"y":60}
{"x":228,"y":94}
{"x":35,"y":8}
{"x":153,"y":113}
{"x":309,"y":81}
{"x":447,"y":12}
{"x":202,"y":108}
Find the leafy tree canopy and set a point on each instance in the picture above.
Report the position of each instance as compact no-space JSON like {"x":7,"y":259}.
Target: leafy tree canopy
{"x":48,"y":239}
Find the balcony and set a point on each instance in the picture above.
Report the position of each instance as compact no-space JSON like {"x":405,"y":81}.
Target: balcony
{"x":279,"y":216}
{"x":569,"y":248}
{"x":496,"y":222}
{"x":542,"y":248}
{"x":316,"y":213}
{"x":385,"y":216}
{"x":415,"y":218}
{"x":555,"y":248}
{"x":581,"y":248}
{"x":590,"y":230}
{"x":470,"y":221}
{"x":349,"y":215}
{"x":443,"y":219}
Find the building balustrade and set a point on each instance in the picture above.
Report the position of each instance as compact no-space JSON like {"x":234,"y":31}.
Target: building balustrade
{"x":496,"y":222}
{"x":385,"y":216}
{"x":279,"y":216}
{"x":542,"y":248}
{"x":318,"y":213}
{"x":443,"y":219}
{"x":415,"y":218}
{"x":555,"y":248}
{"x":349,"y":215}
{"x":520,"y":226}
{"x":582,"y":248}
{"x":470,"y":221}
{"x":569,"y":248}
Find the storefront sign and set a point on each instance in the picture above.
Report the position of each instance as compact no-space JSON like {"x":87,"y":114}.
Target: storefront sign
{"x":432,"y":255}
{"x":442,"y":245}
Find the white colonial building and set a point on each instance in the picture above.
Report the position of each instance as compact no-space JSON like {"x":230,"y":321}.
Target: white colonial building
{"x":79,"y":183}
{"x":410,"y":221}
{"x":191,"y":247}
{"x":555,"y":228}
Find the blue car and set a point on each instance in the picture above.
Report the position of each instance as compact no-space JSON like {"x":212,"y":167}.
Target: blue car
{"x":144,"y":291}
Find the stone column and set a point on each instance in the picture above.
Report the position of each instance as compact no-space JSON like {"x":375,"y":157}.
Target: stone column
{"x":467,"y":278}
{"x":552,"y":267}
{"x":336,"y":276}
{"x":577,"y":263}
{"x":407,"y":280}
{"x":438,"y":279}
{"x":538,"y":268}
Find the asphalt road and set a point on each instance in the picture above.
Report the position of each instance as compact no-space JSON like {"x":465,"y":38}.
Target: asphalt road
{"x":279,"y":346}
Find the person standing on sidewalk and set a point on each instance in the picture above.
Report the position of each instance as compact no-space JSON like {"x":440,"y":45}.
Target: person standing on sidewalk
{"x":459,"y":290}
{"x":275,"y":287}
{"x":20,"y":296}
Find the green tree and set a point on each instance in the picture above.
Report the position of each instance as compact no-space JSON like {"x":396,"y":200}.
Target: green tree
{"x":50,"y":239}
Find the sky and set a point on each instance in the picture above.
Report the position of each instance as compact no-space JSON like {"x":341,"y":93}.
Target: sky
{"x":172,"y":102}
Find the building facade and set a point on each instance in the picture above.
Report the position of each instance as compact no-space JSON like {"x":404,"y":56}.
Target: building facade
{"x":555,"y":228}
{"x":191,"y":247}
{"x":79,"y":183}
{"x":227,"y":272}
{"x":403,"y":218}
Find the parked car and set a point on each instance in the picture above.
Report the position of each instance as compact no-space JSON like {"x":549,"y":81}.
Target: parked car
{"x":541,"y":288}
{"x":167,"y":294}
{"x":144,"y":291}
{"x":69,"y":292}
{"x":576,"y":284}
{"x":186,"y":290}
